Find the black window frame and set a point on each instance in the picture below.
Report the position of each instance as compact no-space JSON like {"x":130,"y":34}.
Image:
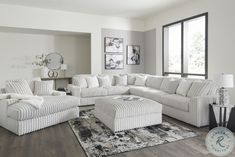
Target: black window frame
{"x":182,"y":74}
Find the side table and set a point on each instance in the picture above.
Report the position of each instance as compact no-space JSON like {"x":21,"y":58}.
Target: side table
{"x":222,"y":117}
{"x":55,"y":79}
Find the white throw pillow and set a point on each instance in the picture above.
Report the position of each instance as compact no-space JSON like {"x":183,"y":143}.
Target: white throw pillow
{"x":172,"y":86}
{"x":199,"y":89}
{"x":19,"y":87}
{"x":131,"y":79}
{"x":92,"y":82}
{"x":121,"y":80}
{"x":80,"y":81}
{"x":184,"y":87}
{"x":140,"y":80}
{"x":165,"y":83}
{"x":43,"y":87}
{"x":104,"y":81}
{"x":31,"y":82}
{"x":154,"y":82}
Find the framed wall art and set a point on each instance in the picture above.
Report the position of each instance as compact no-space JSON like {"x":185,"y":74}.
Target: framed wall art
{"x":114,"y":61}
{"x":133,"y":55}
{"x":113,"y":45}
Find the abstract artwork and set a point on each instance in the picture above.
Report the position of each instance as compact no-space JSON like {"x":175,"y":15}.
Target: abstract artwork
{"x":114,"y":61}
{"x":133,"y":55}
{"x":113,"y":45}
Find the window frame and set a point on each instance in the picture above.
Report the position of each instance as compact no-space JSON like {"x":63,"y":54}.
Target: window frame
{"x":181,"y":22}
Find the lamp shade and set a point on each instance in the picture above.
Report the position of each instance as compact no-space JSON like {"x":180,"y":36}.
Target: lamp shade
{"x":64,"y":67}
{"x":224,"y":80}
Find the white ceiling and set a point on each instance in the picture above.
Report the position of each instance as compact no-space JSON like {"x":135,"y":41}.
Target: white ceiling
{"x":120,"y":8}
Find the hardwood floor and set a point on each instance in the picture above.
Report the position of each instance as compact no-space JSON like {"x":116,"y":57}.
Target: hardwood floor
{"x":59,"y":141}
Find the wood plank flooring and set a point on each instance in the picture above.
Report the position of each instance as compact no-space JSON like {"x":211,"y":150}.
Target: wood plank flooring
{"x":59,"y":141}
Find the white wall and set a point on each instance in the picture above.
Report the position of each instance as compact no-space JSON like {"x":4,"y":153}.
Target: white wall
{"x":45,"y":19}
{"x":18,"y":51}
{"x":221,"y":51}
{"x":150,"y":51}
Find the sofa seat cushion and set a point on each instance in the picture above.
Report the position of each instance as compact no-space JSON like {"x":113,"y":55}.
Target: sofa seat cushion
{"x":176,"y":101}
{"x":52,"y":104}
{"x":154,"y":94}
{"x":93,"y":92}
{"x":138,"y":90}
{"x":117,"y":90}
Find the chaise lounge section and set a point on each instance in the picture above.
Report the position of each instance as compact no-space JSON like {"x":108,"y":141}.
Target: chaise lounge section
{"x":22,"y":118}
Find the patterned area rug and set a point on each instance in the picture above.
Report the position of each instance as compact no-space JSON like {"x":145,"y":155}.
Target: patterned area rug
{"x":98,"y":140}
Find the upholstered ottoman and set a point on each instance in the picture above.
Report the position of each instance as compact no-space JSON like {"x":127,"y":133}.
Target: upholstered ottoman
{"x":119,"y":114}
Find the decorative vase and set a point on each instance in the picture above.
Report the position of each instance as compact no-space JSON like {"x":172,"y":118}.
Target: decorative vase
{"x":44,"y":72}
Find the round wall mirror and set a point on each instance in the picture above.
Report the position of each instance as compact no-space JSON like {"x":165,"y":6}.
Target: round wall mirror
{"x":54,"y":61}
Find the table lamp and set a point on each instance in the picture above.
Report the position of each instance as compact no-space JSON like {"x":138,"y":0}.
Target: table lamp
{"x":224,"y":81}
{"x":64,"y":67}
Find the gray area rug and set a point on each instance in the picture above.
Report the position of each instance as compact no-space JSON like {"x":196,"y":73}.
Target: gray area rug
{"x":97,"y":140}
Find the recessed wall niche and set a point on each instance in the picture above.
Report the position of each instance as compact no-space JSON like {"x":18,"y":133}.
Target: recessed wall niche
{"x":20,"y":46}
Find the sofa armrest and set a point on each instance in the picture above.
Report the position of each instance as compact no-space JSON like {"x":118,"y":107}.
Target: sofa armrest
{"x":199,"y":107}
{"x":58,"y":93}
{"x":75,"y":90}
{"x":3,"y":108}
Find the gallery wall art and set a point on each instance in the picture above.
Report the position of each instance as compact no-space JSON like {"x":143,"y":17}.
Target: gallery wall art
{"x":113,"y":45}
{"x":133,"y":55}
{"x":114,"y":61}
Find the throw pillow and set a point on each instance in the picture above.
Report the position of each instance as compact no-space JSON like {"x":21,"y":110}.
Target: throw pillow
{"x":165,"y":83}
{"x":43,"y":87}
{"x":140,"y":80}
{"x":19,"y":87}
{"x":131,"y":79}
{"x":172,"y":86}
{"x":80,"y":81}
{"x":92,"y":82}
{"x":121,"y":80}
{"x":154,"y":82}
{"x":31,"y":82}
{"x":199,"y":89}
{"x":104,"y":81}
{"x":184,"y":87}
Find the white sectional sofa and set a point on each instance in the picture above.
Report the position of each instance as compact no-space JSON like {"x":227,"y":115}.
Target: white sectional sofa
{"x":184,"y":99}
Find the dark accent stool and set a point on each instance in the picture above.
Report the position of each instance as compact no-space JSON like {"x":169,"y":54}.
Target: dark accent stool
{"x":231,"y":121}
{"x":222,"y":118}
{"x":212,"y":119}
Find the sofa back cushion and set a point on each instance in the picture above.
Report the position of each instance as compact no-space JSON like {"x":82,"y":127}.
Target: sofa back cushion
{"x":92,"y":82}
{"x":79,"y":81}
{"x":140,"y":80}
{"x":43,"y":87}
{"x":111,"y":77}
{"x":131,"y":79}
{"x":31,"y":83}
{"x":154,"y":82}
{"x":199,"y":88}
{"x":121,"y":80}
{"x":170,"y":85}
{"x":184,"y":87}
{"x":18,"y":86}
{"x":104,"y":81}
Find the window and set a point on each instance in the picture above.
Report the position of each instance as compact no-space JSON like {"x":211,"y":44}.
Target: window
{"x":185,"y":47}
